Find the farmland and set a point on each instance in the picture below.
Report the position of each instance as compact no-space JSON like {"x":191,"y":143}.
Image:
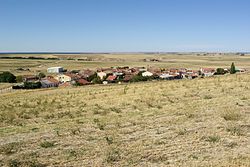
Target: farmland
{"x":93,"y":61}
{"x":200,"y":122}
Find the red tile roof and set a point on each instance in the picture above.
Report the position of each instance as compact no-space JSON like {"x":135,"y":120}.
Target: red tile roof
{"x":111,"y":78}
{"x":83,"y":81}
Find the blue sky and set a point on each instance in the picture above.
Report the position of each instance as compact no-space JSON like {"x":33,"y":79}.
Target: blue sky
{"x":124,"y":25}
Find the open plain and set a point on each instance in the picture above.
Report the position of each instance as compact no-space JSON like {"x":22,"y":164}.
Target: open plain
{"x":200,"y":122}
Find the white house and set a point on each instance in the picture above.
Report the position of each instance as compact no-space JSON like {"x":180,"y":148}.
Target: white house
{"x":63,"y":78}
{"x":101,"y":75}
{"x":147,"y":74}
{"x":165,"y":76}
{"x":55,"y":70}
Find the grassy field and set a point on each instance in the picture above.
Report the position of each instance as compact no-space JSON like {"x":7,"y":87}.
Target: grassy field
{"x":202,"y":122}
{"x":193,"y":61}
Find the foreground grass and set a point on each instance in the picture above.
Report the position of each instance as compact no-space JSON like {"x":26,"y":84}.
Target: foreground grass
{"x":171,"y":123}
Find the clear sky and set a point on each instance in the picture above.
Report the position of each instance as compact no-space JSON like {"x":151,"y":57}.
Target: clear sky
{"x":124,"y":25}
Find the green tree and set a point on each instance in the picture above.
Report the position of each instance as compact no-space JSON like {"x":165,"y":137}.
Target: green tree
{"x":92,"y":77}
{"x":32,"y":85}
{"x":232,"y":69}
{"x":97,"y":80}
{"x":41,"y":75}
{"x":220,"y":71}
{"x":7,"y":77}
{"x":19,"y":79}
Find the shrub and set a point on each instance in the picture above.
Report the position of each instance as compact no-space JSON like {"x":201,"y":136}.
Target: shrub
{"x":220,"y":71}
{"x":7,"y":77}
{"x":32,"y":85}
{"x":97,"y":80}
{"x":41,"y":75}
{"x":113,"y":156}
{"x":235,"y":130}
{"x":10,"y":148}
{"x":231,"y":115}
{"x":47,"y":144}
{"x":19,"y":79}
{"x":213,"y":139}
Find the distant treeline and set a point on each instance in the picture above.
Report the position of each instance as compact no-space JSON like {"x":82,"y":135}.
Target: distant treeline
{"x":33,"y":58}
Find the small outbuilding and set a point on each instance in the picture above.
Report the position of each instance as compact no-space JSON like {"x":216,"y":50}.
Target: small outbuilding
{"x":55,"y":70}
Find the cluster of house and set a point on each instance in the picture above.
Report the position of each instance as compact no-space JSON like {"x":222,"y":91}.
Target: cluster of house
{"x":63,"y":78}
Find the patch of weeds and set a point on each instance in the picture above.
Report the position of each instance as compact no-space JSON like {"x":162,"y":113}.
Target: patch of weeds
{"x":113,"y":156}
{"x":231,"y":115}
{"x":193,"y":156}
{"x":65,"y":114}
{"x":75,"y":131}
{"x":208,"y":97}
{"x":10,"y":148}
{"x":109,"y":140}
{"x":114,"y":109}
{"x":79,"y":121}
{"x":235,"y":130}
{"x":20,"y":163}
{"x":49,"y":116}
{"x":14,"y":163}
{"x":232,"y":144}
{"x":71,"y":153}
{"x":244,"y":98}
{"x":47,"y":144}
{"x":213,"y":139}
{"x":57,"y":130}
{"x":125,"y":89}
{"x":100,"y":125}
{"x":96,"y":120}
{"x":189,"y":115}
{"x":35,"y":129}
{"x":182,"y":132}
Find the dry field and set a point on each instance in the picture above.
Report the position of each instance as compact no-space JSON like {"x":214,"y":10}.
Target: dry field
{"x":193,"y":61}
{"x":202,"y":122}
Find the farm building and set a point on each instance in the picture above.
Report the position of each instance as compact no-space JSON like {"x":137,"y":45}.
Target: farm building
{"x":147,"y":74}
{"x":63,"y":78}
{"x":49,"y":82}
{"x":55,"y":70}
{"x":102,"y":75}
{"x":111,"y":78}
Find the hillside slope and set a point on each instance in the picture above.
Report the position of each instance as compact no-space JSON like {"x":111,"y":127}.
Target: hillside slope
{"x":204,"y":122}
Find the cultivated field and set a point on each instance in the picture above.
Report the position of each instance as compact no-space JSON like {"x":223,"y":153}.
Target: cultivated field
{"x":93,"y":61}
{"x":203,"y":122}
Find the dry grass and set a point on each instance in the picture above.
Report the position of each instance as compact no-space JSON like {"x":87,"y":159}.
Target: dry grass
{"x":108,"y":60}
{"x":202,"y":122}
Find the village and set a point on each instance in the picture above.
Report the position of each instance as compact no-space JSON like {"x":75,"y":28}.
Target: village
{"x":60,"y":77}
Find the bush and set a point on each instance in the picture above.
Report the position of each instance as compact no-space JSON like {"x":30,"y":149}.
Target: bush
{"x":97,"y":80}
{"x":7,"y":77}
{"x":32,"y":85}
{"x":10,"y":148}
{"x":41,"y":75}
{"x":139,"y":78}
{"x":213,"y":139}
{"x":230,"y":115}
{"x":113,"y":156}
{"x":19,"y":79}
{"x":220,"y":71}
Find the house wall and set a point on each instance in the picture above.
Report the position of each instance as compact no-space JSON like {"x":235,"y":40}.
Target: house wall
{"x":63,"y":78}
